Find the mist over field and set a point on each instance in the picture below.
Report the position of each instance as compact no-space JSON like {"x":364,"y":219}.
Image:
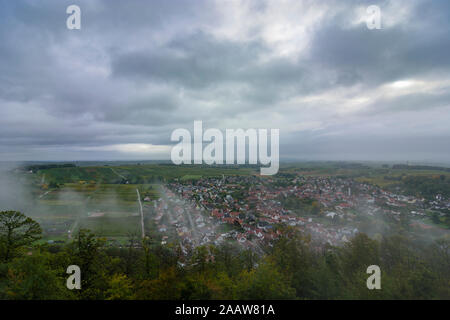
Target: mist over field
{"x":15,"y":191}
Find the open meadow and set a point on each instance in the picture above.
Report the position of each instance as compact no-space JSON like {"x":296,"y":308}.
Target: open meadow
{"x":103,"y":199}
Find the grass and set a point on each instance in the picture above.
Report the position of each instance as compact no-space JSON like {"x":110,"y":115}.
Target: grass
{"x":190,"y":177}
{"x":109,"y":192}
{"x":74,"y":203}
{"x":135,"y":174}
{"x":112,"y":226}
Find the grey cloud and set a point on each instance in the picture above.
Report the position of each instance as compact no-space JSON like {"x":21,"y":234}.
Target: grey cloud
{"x":136,"y":71}
{"x":372,"y":57}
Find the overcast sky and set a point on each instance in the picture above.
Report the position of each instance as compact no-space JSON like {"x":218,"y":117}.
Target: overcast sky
{"x":137,"y":70}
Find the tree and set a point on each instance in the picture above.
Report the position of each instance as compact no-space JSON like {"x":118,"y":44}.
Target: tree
{"x":359,"y":253}
{"x":121,"y":288}
{"x":131,"y":257}
{"x":168,"y":286}
{"x":265,"y":282}
{"x":30,"y":277}
{"x":292,"y":255}
{"x":355,"y":256}
{"x":16,"y":231}
{"x":93,"y":263}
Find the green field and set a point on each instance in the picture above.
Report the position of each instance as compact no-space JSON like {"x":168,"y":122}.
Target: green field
{"x":111,"y":210}
{"x":108,"y":226}
{"x":103,"y":198}
{"x":136,"y":174}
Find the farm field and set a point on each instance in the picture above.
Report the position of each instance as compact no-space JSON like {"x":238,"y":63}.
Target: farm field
{"x":111,"y":210}
{"x":135,"y":174}
{"x":103,"y":199}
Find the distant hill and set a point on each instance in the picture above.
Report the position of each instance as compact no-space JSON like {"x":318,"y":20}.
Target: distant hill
{"x":419,"y":167}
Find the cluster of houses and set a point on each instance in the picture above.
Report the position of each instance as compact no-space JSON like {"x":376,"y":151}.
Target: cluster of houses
{"x":253,"y":209}
{"x":185,"y":221}
{"x":440,"y":203}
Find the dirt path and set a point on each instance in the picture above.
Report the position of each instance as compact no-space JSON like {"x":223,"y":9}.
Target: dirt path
{"x":44,"y":194}
{"x":118,"y":174}
{"x":73,"y":228}
{"x":142,"y":213}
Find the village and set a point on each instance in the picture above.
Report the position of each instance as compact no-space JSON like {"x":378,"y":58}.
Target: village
{"x":254,"y":211}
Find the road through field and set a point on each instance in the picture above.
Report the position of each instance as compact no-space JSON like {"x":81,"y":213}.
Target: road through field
{"x":44,"y":194}
{"x":118,"y":174}
{"x":142,"y":214}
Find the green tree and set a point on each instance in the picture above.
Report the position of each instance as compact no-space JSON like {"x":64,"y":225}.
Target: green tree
{"x":168,"y":286}
{"x":30,"y":277}
{"x":16,"y":231}
{"x":265,"y":282}
{"x":120,"y":288}
{"x":292,"y":256}
{"x":93,"y":263}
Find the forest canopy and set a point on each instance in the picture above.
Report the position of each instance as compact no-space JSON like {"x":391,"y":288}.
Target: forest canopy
{"x":290,"y":269}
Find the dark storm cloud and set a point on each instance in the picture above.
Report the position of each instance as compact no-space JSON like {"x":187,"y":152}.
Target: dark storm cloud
{"x":200,"y":61}
{"x":378,"y":57}
{"x":136,"y":71}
